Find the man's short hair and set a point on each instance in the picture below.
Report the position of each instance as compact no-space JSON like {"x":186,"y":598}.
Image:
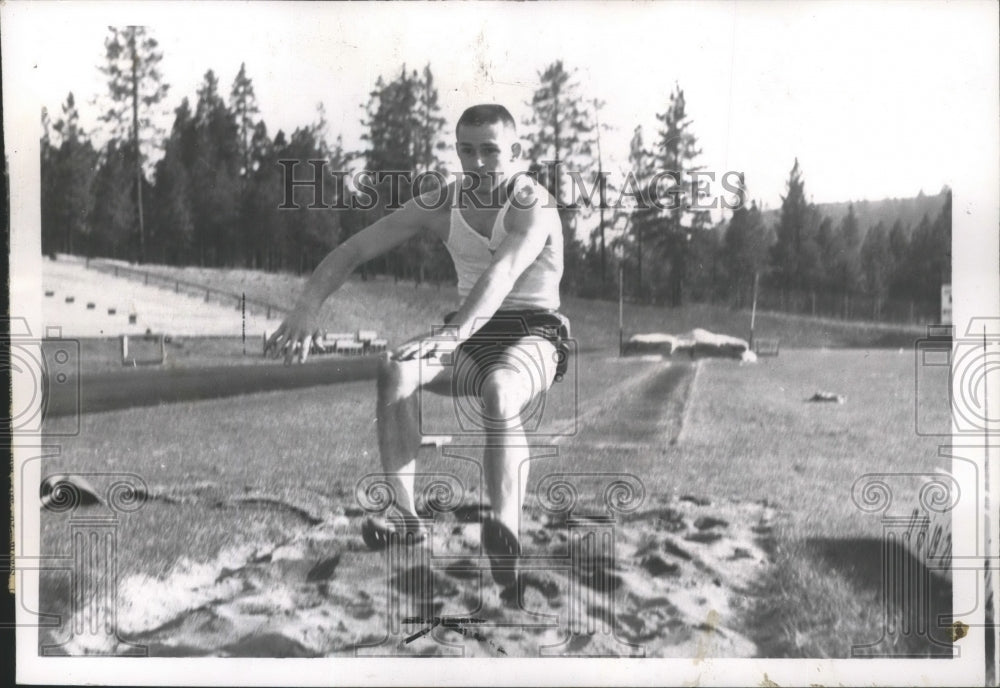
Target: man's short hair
{"x":484,"y":115}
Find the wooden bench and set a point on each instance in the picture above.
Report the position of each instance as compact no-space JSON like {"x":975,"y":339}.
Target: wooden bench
{"x":766,"y":347}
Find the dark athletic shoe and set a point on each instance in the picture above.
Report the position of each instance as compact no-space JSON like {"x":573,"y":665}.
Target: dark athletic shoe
{"x":378,"y":533}
{"x":503,"y":549}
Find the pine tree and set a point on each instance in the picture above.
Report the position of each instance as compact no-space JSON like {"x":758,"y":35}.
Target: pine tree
{"x":899,"y":249}
{"x":243,"y":105}
{"x":172,"y":212}
{"x":927,"y":264}
{"x":561,"y":139}
{"x":322,"y":228}
{"x":404,"y":133}
{"x":430,"y":257}
{"x":746,"y":245}
{"x":392,"y":122}
{"x":705,"y":266}
{"x":430,"y":125}
{"x":676,"y":152}
{"x":389,"y":116}
{"x":113,"y":214}
{"x":918,"y":265}
{"x":136,"y":87}
{"x":846,"y":260}
{"x":602,"y":189}
{"x":561,"y":133}
{"x":269,"y":181}
{"x":215,"y":178}
{"x":73,"y":162}
{"x":262,"y":198}
{"x":303,"y":234}
{"x":877,"y":264}
{"x":941,"y":267}
{"x":792,"y":227}
{"x":49,"y":190}
{"x":816,"y":270}
{"x":639,"y":211}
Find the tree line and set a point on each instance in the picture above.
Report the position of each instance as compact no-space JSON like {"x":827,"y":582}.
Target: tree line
{"x":217,"y":194}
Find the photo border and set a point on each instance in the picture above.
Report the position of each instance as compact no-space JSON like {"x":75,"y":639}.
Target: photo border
{"x":976,"y":217}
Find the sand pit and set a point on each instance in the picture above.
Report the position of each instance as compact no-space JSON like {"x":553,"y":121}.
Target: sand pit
{"x":672,"y":585}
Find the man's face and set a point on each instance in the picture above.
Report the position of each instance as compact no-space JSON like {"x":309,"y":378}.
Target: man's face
{"x":487,"y":151}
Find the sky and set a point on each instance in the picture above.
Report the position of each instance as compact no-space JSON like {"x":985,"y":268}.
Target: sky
{"x":860,"y":93}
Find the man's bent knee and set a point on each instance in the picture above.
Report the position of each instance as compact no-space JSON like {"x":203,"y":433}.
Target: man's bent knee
{"x":397,"y":379}
{"x":504,"y":395}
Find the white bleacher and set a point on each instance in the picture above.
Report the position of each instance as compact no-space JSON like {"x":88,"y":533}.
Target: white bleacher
{"x":349,"y":347}
{"x":158,"y":309}
{"x":344,"y":343}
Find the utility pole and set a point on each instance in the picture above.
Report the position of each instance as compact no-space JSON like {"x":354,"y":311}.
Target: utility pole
{"x":600,"y":181}
{"x":133,"y":54}
{"x":621,"y":308}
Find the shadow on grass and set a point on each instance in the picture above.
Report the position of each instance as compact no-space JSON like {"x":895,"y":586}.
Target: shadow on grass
{"x":849,"y":598}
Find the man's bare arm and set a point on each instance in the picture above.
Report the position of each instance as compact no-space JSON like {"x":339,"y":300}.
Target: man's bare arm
{"x":294,"y":336}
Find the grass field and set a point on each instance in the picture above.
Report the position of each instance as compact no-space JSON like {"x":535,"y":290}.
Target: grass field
{"x":747,"y":435}
{"x":748,"y":432}
{"x":751,"y":433}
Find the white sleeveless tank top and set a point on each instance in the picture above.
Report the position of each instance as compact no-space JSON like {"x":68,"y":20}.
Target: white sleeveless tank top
{"x":472,"y":253}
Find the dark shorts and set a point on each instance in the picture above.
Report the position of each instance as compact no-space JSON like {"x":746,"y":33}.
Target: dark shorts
{"x":494,"y":339}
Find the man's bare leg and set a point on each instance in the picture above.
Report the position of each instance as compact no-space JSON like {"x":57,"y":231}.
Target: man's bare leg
{"x":398,"y":421}
{"x":506,"y":448}
{"x":506,"y":392}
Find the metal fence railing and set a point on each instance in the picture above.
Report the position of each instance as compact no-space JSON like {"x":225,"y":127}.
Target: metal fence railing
{"x":843,"y":306}
{"x":855,"y":307}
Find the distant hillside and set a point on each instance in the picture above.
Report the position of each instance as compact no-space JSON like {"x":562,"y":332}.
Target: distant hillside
{"x":888,"y":210}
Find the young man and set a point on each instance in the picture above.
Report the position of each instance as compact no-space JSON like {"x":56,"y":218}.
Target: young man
{"x":504,"y":234}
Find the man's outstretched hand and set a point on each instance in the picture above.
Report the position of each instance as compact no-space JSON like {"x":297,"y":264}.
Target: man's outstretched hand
{"x":294,"y":337}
